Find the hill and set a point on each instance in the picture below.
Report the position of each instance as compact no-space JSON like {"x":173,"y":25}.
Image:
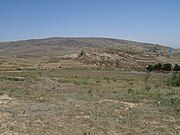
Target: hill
{"x":92,"y":51}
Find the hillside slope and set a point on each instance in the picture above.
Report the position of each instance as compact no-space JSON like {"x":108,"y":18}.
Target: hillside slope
{"x":95,"y":51}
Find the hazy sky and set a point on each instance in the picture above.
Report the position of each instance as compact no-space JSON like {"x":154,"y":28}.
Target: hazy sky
{"x":155,"y":21}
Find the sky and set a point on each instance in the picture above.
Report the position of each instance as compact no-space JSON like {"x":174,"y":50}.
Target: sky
{"x":152,"y":21}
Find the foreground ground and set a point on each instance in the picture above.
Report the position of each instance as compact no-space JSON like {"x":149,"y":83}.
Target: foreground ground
{"x":88,"y":101}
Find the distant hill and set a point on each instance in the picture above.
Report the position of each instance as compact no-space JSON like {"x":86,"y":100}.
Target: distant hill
{"x":98,"y":51}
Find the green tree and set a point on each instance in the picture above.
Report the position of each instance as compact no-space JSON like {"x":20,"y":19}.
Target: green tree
{"x":150,"y":68}
{"x":176,"y":67}
{"x":158,"y":67}
{"x":167,"y":67}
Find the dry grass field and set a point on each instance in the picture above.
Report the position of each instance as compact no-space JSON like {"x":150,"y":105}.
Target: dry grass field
{"x":70,"y":94}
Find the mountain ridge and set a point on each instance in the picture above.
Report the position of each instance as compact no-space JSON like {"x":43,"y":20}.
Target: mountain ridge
{"x":115,"y":39}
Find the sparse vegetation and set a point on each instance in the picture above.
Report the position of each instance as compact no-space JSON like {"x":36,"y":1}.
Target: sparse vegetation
{"x":19,"y":92}
{"x":175,"y":80}
{"x":5,"y":78}
{"x":55,"y":92}
{"x":78,"y":93}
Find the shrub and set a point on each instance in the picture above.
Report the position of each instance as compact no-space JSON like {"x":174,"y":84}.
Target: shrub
{"x":9,"y":78}
{"x":19,"y":92}
{"x":158,"y":67}
{"x":150,"y":68}
{"x":161,"y":67}
{"x":167,"y":67}
{"x":176,"y":67}
{"x":175,"y":80}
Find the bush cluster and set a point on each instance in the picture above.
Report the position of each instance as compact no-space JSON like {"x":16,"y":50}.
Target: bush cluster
{"x":163,"y":67}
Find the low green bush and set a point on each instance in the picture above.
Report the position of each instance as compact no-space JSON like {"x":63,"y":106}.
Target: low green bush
{"x":8,"y":78}
{"x":19,"y":93}
{"x":175,"y":80}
